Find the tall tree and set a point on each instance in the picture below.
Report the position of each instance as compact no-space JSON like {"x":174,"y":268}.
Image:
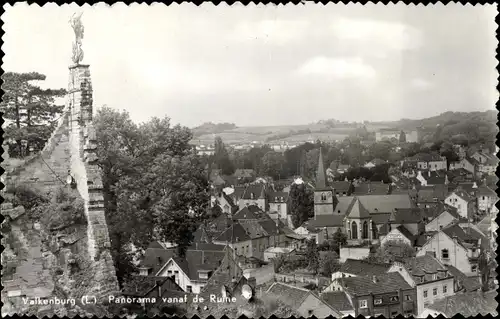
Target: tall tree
{"x":272,"y":164}
{"x":31,"y":110}
{"x":156,"y":188}
{"x":402,"y":137}
{"x":301,"y":205}
{"x":312,"y":255}
{"x":221,"y":157}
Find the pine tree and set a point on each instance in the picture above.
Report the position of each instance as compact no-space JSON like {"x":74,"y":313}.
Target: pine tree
{"x":31,"y":111}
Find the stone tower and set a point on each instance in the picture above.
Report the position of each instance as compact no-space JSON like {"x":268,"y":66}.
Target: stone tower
{"x":323,"y":195}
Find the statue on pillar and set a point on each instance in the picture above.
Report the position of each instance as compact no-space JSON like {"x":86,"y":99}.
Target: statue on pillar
{"x":76,"y":24}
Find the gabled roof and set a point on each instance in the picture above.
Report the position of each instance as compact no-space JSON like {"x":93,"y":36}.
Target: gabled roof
{"x":463,"y":194}
{"x":228,"y":274}
{"x":235,"y":233}
{"x":294,"y":296}
{"x":203,"y":257}
{"x":338,"y":300}
{"x":424,"y":264}
{"x":405,"y":232}
{"x":319,"y":221}
{"x":467,"y":305}
{"x":141,"y":285}
{"x":363,"y":268}
{"x":385,"y":203}
{"x":371,"y":188}
{"x":408,"y":215}
{"x":341,"y":186}
{"x":357,"y":210}
{"x":469,"y":283}
{"x":249,"y":212}
{"x":362,"y":286}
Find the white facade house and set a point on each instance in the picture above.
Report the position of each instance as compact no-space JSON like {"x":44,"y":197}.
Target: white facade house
{"x":441,"y":221}
{"x":461,"y":201}
{"x":194,"y":285}
{"x":452,"y":251}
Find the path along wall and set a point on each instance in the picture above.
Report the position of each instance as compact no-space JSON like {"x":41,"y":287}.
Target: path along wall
{"x":72,"y":150}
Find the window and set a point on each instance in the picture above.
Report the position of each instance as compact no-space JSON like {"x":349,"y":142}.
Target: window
{"x":458,"y":206}
{"x":201,"y":288}
{"x":445,"y":289}
{"x":363,"y":304}
{"x":310,"y":312}
{"x":435,"y":291}
{"x":377,"y":301}
{"x":394,"y":298}
{"x":425,"y":293}
{"x":323,"y":196}
{"x":408,"y":298}
{"x":483,"y":198}
{"x":473,"y":268}
{"x":444,"y":254}
{"x":169,"y":273}
{"x":279,"y":208}
{"x":434,"y":276}
{"x":189,"y":289}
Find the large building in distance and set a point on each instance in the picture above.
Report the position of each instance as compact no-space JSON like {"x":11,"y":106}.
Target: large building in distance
{"x":387,"y":134}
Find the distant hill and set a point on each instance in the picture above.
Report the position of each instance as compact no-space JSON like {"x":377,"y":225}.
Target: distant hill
{"x":211,"y":128}
{"x":460,"y":125}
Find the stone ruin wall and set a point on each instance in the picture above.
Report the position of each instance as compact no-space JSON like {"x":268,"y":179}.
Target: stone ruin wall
{"x":72,"y":149}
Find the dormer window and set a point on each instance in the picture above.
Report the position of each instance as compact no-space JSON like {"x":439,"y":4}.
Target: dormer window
{"x":276,"y":199}
{"x":252,"y":196}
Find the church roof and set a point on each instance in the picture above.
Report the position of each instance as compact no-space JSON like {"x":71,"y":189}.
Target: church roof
{"x":357,"y":210}
{"x":321,"y":173}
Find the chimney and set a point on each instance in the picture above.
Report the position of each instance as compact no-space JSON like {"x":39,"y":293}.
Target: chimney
{"x":374,"y":278}
{"x":474,"y":185}
{"x":455,"y":239}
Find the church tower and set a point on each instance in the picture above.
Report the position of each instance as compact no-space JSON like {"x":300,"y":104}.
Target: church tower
{"x":323,"y":195}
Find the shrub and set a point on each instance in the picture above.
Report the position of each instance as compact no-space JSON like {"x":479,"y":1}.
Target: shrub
{"x":27,"y":196}
{"x":66,"y":209}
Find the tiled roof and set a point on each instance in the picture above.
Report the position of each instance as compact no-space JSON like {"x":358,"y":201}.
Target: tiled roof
{"x":388,"y":282}
{"x":291,"y":295}
{"x":343,"y":203}
{"x":363,"y":268}
{"x":467,"y":305}
{"x":341,"y":186}
{"x":235,"y":233}
{"x":405,"y":232}
{"x":357,"y":210}
{"x":338,"y":300}
{"x":141,"y":285}
{"x":385,"y":203}
{"x":228,"y":274}
{"x":408,"y":215}
{"x":206,"y":257}
{"x":425,"y":263}
{"x":469,"y":283}
{"x":334,"y":220}
{"x":380,"y":218}
{"x":250,"y":212}
{"x":463,"y":194}
{"x":371,"y":188}
{"x":426,"y":157}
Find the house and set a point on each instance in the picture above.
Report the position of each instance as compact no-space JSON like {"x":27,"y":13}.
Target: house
{"x":429,"y":161}
{"x":310,"y":232}
{"x":190,"y":272}
{"x":463,"y":283}
{"x":339,"y":300}
{"x":278,"y":204}
{"x":274,"y":252}
{"x":254,"y":194}
{"x":385,"y":295}
{"x":304,"y":301}
{"x":225,"y":203}
{"x":399,"y":234}
{"x":355,"y":267}
{"x":375,"y":162}
{"x":454,"y":246}
{"x":245,"y":175}
{"x":470,"y":165}
{"x":371,"y":188}
{"x":448,"y":216}
{"x":431,"y":279}
{"x":252,"y":232}
{"x":463,"y":202}
{"x":487,"y":163}
{"x":468,"y":305}
{"x":486,"y":199}
{"x":342,"y":188}
{"x":343,"y":168}
{"x":429,"y":196}
{"x":329,"y":224}
{"x":153,"y":289}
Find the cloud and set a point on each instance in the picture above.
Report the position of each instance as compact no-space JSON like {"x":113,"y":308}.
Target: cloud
{"x":337,"y":67}
{"x":419,"y":83}
{"x":377,"y":37}
{"x":274,"y":32}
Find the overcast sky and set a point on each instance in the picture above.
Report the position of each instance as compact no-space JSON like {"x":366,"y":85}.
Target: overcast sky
{"x":267,"y":65}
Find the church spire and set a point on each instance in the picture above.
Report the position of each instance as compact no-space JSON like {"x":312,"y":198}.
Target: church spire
{"x":321,"y":173}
